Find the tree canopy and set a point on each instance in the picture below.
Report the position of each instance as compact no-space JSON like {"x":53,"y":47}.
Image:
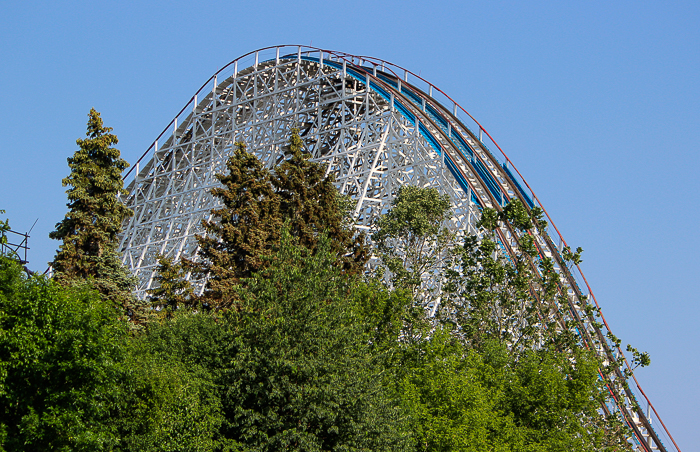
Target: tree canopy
{"x":294,"y":345}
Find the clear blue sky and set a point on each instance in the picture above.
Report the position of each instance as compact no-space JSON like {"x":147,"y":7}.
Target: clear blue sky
{"x":597,"y":103}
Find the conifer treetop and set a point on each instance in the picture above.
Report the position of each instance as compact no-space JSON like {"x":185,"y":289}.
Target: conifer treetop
{"x":95,"y":216}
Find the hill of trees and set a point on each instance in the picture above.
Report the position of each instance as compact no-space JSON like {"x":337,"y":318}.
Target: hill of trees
{"x":294,"y":344}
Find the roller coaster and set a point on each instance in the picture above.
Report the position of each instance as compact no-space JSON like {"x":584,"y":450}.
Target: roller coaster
{"x":377,"y":126}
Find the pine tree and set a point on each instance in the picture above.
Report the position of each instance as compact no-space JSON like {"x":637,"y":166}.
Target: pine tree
{"x":173,"y":291}
{"x":242,"y":232}
{"x":311,"y":204}
{"x":256,"y":204}
{"x":95,"y":215}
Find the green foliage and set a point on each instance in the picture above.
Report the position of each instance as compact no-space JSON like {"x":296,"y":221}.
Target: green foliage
{"x":173,"y":291}
{"x":256,"y":203}
{"x":639,"y":359}
{"x":168,"y":405}
{"x":297,"y":352}
{"x":294,"y":362}
{"x":511,"y":299}
{"x":515,"y":300}
{"x":72,"y":378}
{"x":95,"y":215}
{"x":454,"y":398}
{"x":4,"y":228}
{"x":243,"y":230}
{"x":311,"y":204}
{"x":59,"y":365}
{"x":461,"y":399}
{"x":383,"y":312}
{"x":304,"y":377}
{"x":573,"y":257}
{"x":412,"y":238}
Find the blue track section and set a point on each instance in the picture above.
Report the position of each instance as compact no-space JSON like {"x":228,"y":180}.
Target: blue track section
{"x":520,"y":189}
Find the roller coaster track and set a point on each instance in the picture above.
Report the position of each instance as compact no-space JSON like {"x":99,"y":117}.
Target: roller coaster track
{"x":377,"y":126}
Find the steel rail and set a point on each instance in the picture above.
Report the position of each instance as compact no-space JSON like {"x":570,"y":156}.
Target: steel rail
{"x":510,"y":251}
{"x":406,"y":71}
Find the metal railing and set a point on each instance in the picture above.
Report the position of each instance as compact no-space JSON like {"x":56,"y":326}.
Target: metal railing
{"x":15,"y":246}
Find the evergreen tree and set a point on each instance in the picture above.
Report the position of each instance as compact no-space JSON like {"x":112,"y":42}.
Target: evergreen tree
{"x":256,"y":203}
{"x":95,"y":215}
{"x":242,"y":232}
{"x":310,"y":202}
{"x":173,"y":291}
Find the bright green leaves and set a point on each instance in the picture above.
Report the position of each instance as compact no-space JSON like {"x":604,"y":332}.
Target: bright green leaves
{"x":168,"y":404}
{"x":412,"y":238}
{"x":461,"y":399}
{"x":573,"y":257}
{"x":454,"y":405}
{"x":415,"y":212}
{"x":59,"y":365}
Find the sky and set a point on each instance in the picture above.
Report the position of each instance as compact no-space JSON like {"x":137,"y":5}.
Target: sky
{"x":597,"y":103}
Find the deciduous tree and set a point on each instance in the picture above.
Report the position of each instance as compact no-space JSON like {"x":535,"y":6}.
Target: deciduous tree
{"x":60,"y":365}
{"x":412,"y":239}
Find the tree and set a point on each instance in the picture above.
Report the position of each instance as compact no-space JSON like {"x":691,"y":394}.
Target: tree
{"x":454,"y":398}
{"x":95,"y":215}
{"x":167,"y":404}
{"x":412,"y":238}
{"x":174,"y":291}
{"x":294,"y":361}
{"x":311,"y":204}
{"x":256,"y":204}
{"x":461,"y":399}
{"x":72,"y":377}
{"x":304,"y":376}
{"x":242,"y":232}
{"x":513,"y":299}
{"x":4,"y":229}
{"x":60,"y":371}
